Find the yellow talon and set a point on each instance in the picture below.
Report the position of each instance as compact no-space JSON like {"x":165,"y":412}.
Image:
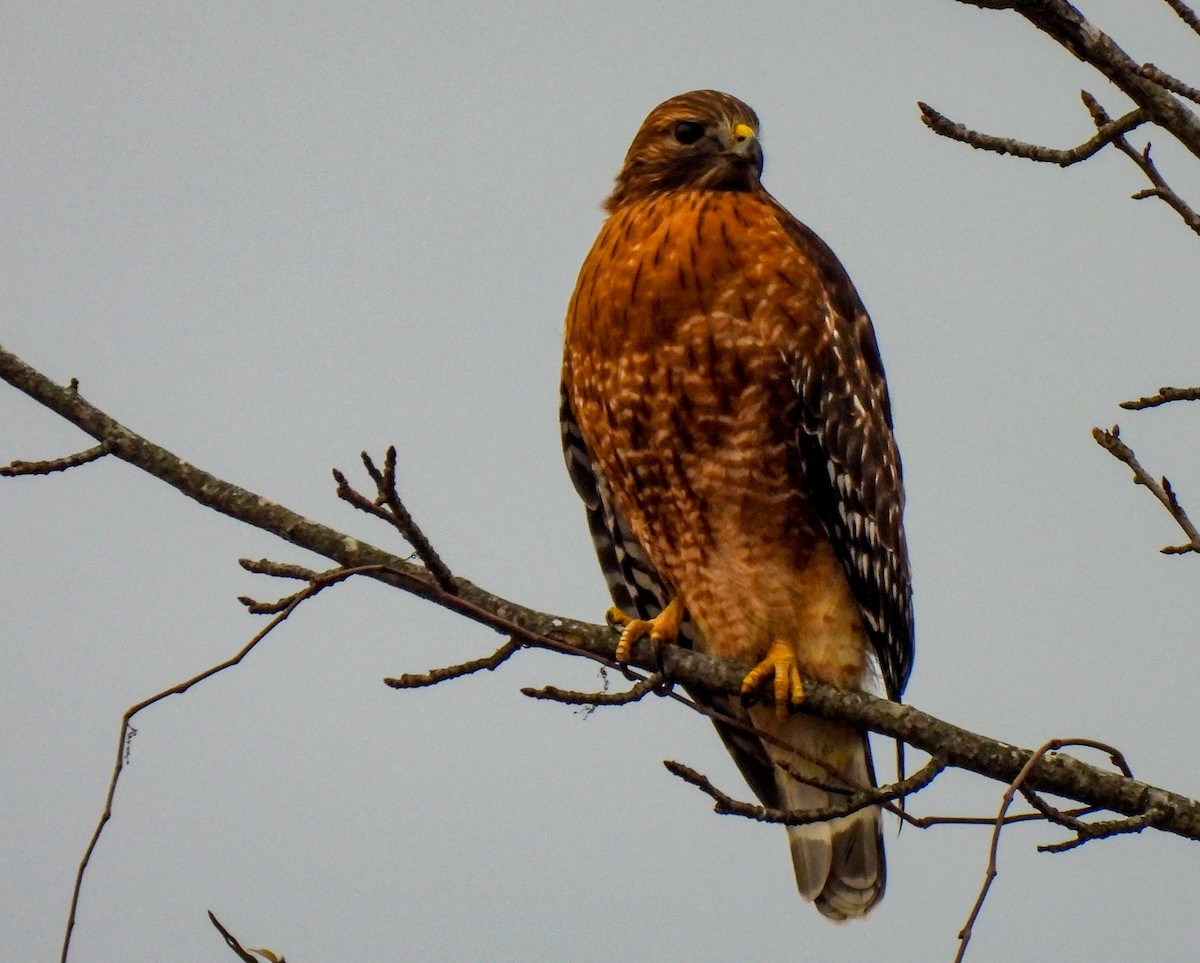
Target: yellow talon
{"x":788,"y":688}
{"x":664,"y":627}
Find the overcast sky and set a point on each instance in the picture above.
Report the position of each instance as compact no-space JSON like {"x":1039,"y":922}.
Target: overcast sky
{"x":270,"y":236}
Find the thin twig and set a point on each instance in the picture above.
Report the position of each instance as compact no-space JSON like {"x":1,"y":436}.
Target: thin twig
{"x":940,"y":124}
{"x":726,"y":805}
{"x":182,"y":687}
{"x":265,"y":566}
{"x":639,"y":690}
{"x":1186,"y":14}
{"x":927,"y":822}
{"x":964,"y":935}
{"x":243,"y":954}
{"x":1173,"y":84}
{"x":1111,"y":442}
{"x":1164,"y":396}
{"x":16,"y":468}
{"x":1102,"y":830}
{"x":388,"y":506}
{"x":1161,"y":189}
{"x":418,"y":680}
{"x":404,"y":521}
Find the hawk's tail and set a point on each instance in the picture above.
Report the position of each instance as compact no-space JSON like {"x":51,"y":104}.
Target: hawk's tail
{"x":839,"y":864}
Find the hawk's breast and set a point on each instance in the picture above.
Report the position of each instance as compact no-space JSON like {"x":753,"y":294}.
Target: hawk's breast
{"x":682,"y":338}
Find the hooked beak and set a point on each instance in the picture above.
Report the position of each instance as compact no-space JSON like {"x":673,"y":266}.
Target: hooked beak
{"x":745,"y":145}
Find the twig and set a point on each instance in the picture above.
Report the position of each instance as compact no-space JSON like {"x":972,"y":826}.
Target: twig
{"x":388,"y":506}
{"x":179,"y":689}
{"x":417,"y":680}
{"x":16,"y":468}
{"x":940,"y":124}
{"x":389,"y":496}
{"x":639,"y":690}
{"x":927,"y":822}
{"x":1111,"y":442}
{"x":1173,"y":84}
{"x":1164,"y":396}
{"x":964,"y":935}
{"x":1062,"y":22}
{"x":726,"y":805}
{"x":1163,"y":191}
{"x":1103,"y":829}
{"x":265,"y":566}
{"x":1161,"y":188}
{"x":1186,"y":14}
{"x":243,"y":954}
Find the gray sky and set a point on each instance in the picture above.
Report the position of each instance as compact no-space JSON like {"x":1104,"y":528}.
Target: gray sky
{"x":270,"y":236}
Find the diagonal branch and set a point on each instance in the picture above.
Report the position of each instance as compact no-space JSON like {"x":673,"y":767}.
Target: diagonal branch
{"x":13,"y":469}
{"x":1161,"y":189}
{"x":1160,"y":489}
{"x":1173,"y":84}
{"x":1062,"y":22}
{"x":1164,"y":396}
{"x":1106,"y":134}
{"x":1186,"y":14}
{"x":726,"y":805}
{"x":1059,"y":775}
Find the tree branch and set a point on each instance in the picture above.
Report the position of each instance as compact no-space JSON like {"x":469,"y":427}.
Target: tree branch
{"x":1057,"y":774}
{"x":1164,"y":396}
{"x":1173,"y":84}
{"x":1151,"y":89}
{"x":1106,"y":134}
{"x":1161,"y":189}
{"x":1060,"y":20}
{"x":1160,"y":489}
{"x":1186,"y":14}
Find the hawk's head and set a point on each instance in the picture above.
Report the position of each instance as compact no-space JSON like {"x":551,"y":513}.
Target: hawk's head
{"x":702,"y":139}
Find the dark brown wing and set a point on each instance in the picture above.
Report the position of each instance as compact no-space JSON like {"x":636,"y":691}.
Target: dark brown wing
{"x":852,"y":467}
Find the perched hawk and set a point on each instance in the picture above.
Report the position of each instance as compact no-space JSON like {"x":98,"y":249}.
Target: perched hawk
{"x":726,"y":420}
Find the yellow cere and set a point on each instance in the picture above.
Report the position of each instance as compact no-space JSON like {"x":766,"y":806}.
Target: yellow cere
{"x":742,"y":132}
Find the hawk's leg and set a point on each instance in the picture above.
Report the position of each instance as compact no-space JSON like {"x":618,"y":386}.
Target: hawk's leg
{"x":781,"y":664}
{"x":664,"y":627}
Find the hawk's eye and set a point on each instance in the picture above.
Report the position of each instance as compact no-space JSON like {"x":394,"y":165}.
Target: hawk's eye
{"x":689,"y":131}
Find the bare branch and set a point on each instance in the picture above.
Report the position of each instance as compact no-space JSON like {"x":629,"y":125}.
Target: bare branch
{"x":1186,"y":14}
{"x":1161,"y":188}
{"x":1164,"y":396}
{"x":1103,"y":829}
{"x":1106,"y":134}
{"x":387,"y":495}
{"x":1062,"y":22}
{"x":264,"y":566}
{"x":1150,"y":88}
{"x":1111,"y":442}
{"x":418,"y":680}
{"x":387,"y":506}
{"x":1173,"y":84}
{"x":16,"y":468}
{"x":1059,"y":775}
{"x":639,"y":690}
{"x":127,"y":731}
{"x":964,"y":935}
{"x":726,"y":805}
{"x":243,"y":954}
{"x":926,"y":822}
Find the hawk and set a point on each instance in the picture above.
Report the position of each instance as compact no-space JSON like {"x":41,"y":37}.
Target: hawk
{"x":726,"y":421}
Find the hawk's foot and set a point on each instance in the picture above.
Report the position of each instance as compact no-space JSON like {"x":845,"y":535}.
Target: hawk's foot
{"x":664,"y":627}
{"x":788,"y":689}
